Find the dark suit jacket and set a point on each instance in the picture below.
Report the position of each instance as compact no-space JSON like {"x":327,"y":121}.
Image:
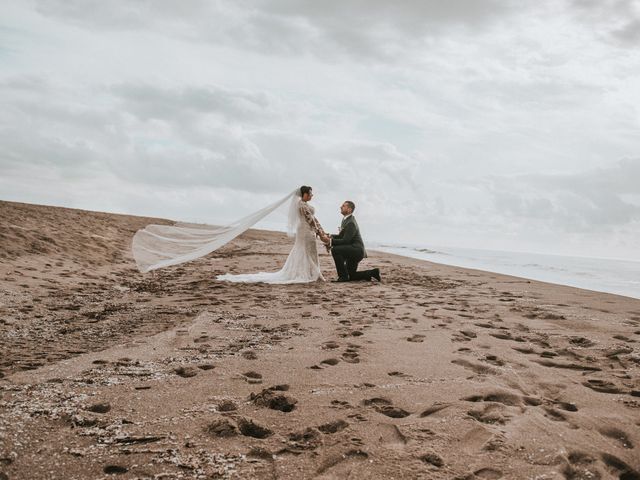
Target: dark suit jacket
{"x":349,"y":235}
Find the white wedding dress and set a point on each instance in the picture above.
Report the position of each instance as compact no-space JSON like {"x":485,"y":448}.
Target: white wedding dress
{"x":303,"y":264}
{"x":162,"y":246}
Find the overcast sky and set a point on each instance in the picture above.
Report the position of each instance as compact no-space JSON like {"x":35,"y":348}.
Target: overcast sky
{"x":475,"y":123}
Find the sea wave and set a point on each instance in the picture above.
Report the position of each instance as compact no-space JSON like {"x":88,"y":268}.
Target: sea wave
{"x":599,"y":274}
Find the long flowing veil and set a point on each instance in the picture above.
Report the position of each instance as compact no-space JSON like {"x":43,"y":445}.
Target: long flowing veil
{"x":158,"y":246}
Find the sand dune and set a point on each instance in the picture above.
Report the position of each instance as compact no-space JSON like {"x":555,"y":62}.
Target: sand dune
{"x":437,"y":373}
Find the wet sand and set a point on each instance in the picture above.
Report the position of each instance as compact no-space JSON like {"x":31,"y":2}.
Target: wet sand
{"x":438,"y":372}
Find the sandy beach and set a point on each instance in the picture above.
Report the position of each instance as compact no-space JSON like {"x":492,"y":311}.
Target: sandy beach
{"x":438,"y":372}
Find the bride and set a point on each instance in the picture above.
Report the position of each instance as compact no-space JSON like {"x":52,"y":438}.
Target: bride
{"x":303,"y":264}
{"x":161,"y":246}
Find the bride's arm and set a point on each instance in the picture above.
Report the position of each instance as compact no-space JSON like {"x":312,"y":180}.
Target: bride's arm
{"x":320,"y":230}
{"x":311,"y":220}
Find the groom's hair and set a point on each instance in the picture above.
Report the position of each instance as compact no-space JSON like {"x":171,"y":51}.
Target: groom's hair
{"x":304,"y":189}
{"x":351,"y":205}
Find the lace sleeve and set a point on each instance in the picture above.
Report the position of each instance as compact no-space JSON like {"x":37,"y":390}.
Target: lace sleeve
{"x":320,"y":230}
{"x":310,"y":219}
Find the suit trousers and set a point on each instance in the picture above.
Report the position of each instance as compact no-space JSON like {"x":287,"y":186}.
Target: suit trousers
{"x":346,"y":258}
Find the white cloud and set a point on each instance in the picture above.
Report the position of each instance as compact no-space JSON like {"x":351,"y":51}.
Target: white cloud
{"x":358,"y":29}
{"x":614,"y":21}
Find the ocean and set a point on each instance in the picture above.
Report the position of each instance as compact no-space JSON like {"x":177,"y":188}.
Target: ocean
{"x":621,"y":277}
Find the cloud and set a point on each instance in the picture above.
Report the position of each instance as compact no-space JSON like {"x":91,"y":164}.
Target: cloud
{"x":151,"y":102}
{"x":629,"y":34}
{"x":615,"y":21}
{"x":40,"y":127}
{"x":125,"y":15}
{"x":364,"y":29}
{"x":357,"y":29}
{"x":590,"y":201}
{"x":239,"y":139}
{"x":186,"y":137}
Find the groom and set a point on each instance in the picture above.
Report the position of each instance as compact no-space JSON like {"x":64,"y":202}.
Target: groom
{"x":347,"y":248}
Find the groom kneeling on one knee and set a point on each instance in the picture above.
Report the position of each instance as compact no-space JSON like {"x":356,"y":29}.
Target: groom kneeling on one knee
{"x":347,"y":248}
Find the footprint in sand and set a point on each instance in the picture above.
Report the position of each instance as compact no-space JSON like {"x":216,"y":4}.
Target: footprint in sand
{"x":505,"y":398}
{"x":567,"y":406}
{"x":115,"y":469}
{"x":249,"y":355}
{"x":341,"y":464}
{"x":221,"y":428}
{"x":488,"y":474}
{"x":101,"y":407}
{"x":330,"y":361}
{"x":485,"y":325}
{"x":435,"y":408}
{"x":260,"y":453}
{"x":618,"y":435}
{"x":614,"y":352}
{"x":502,"y":336}
{"x":358,"y":416}
{"x":602,"y":386}
{"x":493,"y":413}
{"x":624,"y":338}
{"x":227,"y":406}
{"x":252,"y":377}
{"x":271,"y":398}
{"x":432,"y":459}
{"x":475,"y":367}
{"x":567,"y":365}
{"x":350,"y":357}
{"x":385,"y":406}
{"x":468,"y":334}
{"x":186,"y":371}
{"x":624,"y":471}
{"x":525,"y":350}
{"x":493,"y":359}
{"x":416,"y":338}
{"x":555,"y":415}
{"x":333,"y":427}
{"x":581,"y":342}
{"x":249,"y":428}
{"x":581,"y":465}
{"x":307,"y":439}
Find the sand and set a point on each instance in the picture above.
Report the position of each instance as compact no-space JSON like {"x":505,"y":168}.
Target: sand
{"x":438,"y":372}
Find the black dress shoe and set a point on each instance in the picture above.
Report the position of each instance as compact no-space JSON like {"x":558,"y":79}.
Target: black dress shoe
{"x":376,"y":274}
{"x":340,"y":279}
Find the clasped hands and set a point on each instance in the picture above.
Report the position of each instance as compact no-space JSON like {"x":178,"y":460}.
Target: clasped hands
{"x":325,"y":239}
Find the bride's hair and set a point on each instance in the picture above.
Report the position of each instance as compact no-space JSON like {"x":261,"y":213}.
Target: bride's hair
{"x":304,"y":189}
